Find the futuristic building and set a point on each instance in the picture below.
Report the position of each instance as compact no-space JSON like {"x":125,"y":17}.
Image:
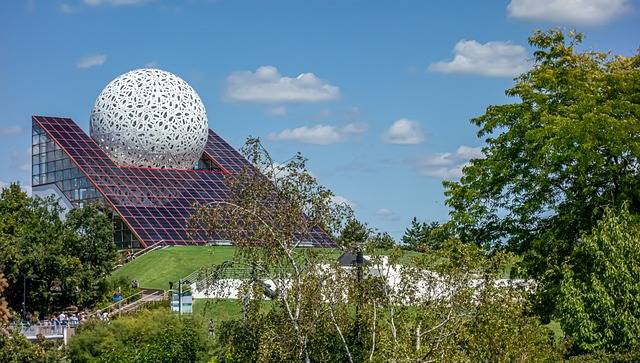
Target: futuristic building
{"x":150,"y":157}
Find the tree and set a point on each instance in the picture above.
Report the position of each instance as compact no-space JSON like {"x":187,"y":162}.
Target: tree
{"x":354,"y":234}
{"x":150,"y":336}
{"x":300,"y":304}
{"x":88,"y":238}
{"x":383,"y":240}
{"x":5,"y":313}
{"x":422,"y":235}
{"x":568,"y":147}
{"x":413,"y":234}
{"x":269,"y":213}
{"x":598,"y":303}
{"x":50,"y":263}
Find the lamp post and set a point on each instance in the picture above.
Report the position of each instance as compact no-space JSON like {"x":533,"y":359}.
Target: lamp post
{"x":180,"y":297}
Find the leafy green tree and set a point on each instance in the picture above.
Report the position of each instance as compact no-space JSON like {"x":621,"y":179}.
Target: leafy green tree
{"x":55,"y":262}
{"x":151,"y":336}
{"x":5,"y":313}
{"x":15,"y":348}
{"x":568,"y":147}
{"x":598,"y":305}
{"x":88,"y":238}
{"x":445,"y":306}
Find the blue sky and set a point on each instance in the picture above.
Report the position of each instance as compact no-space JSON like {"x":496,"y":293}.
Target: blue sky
{"x":377,"y":94}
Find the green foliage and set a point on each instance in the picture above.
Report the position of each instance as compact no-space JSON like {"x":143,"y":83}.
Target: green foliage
{"x":5,"y":313}
{"x":383,"y":240}
{"x":354,"y":234}
{"x":568,"y":147}
{"x":151,"y":336}
{"x":58,"y":262}
{"x":413,"y":234}
{"x":469,"y":325}
{"x":421,"y":236}
{"x":15,"y":348}
{"x":599,"y":301}
{"x":442,"y":306}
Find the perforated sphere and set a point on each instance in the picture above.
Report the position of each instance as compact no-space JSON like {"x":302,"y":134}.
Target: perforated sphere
{"x":150,"y":118}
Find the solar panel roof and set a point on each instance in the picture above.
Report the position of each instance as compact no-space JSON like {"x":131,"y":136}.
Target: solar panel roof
{"x":154,"y":203}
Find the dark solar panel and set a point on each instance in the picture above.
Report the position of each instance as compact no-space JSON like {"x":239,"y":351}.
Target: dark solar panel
{"x":154,"y":203}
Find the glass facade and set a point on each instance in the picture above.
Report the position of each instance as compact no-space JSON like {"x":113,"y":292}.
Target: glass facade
{"x":155,"y":204}
{"x":51,"y":165}
{"x":122,"y":236}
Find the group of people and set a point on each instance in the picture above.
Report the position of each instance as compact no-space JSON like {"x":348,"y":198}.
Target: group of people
{"x":63,"y":319}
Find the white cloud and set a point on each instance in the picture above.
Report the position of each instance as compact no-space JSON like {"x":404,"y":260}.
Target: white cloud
{"x":66,"y":8}
{"x":267,"y":85}
{"x":447,"y":165}
{"x":439,"y":159}
{"x":152,"y":64}
{"x":387,"y":214}
{"x":585,"y":12}
{"x":340,"y":200}
{"x":442,"y":172}
{"x":319,"y":134}
{"x":404,"y":132}
{"x":10,"y":130}
{"x":114,"y":2}
{"x":497,"y":59}
{"x":278,"y":111}
{"x":468,"y":152}
{"x":92,"y":61}
{"x":355,"y":128}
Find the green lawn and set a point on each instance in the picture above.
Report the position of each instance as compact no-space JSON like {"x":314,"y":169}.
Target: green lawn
{"x":155,"y":269}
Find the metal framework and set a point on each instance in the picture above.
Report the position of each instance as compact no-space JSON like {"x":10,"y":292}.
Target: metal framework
{"x":154,"y":203}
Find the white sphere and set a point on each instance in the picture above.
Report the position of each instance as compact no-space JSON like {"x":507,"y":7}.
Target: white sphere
{"x":150,"y":118}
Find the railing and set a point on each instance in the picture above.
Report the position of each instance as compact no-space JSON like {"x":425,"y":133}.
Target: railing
{"x":113,"y":308}
{"x":150,"y":248}
{"x":122,"y":261}
{"x":140,"y":303}
{"x":46,"y":330}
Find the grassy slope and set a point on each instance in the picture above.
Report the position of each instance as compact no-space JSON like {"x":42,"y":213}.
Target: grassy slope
{"x":155,"y":269}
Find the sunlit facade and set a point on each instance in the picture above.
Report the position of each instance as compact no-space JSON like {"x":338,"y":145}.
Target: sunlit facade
{"x":148,"y":205}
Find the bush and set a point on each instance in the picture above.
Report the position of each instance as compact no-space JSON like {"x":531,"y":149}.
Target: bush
{"x":151,"y":336}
